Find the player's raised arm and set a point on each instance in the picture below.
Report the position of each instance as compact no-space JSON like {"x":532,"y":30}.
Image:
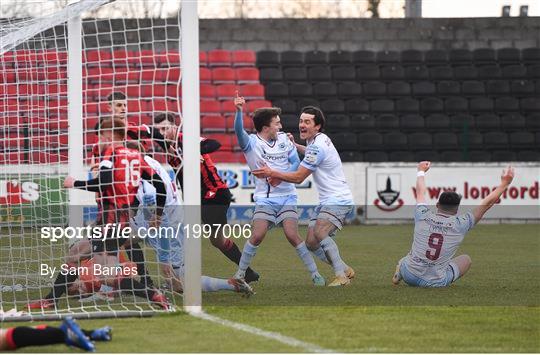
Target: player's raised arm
{"x":241,"y":134}
{"x":423,"y":167}
{"x":209,"y":145}
{"x":506,"y":179}
{"x":98,"y":184}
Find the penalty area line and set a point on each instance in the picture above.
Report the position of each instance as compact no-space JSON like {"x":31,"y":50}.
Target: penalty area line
{"x":312,"y":348}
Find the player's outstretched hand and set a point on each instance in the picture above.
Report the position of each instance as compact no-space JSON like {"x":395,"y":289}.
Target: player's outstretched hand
{"x":291,"y":138}
{"x":507,"y":176}
{"x":273,"y":181}
{"x":239,"y":101}
{"x":69,"y":182}
{"x":424,"y":166}
{"x":263,"y":172}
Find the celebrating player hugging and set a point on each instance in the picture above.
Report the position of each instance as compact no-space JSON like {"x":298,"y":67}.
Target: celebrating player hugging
{"x":335,"y":199}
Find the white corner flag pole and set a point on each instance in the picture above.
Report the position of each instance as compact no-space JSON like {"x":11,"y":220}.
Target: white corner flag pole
{"x":191,"y":127}
{"x":75,"y":119}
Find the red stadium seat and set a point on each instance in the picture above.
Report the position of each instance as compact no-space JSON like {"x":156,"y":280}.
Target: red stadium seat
{"x":226,"y":91}
{"x":219,"y":58}
{"x":58,"y":123}
{"x":152,"y":75}
{"x":53,"y":57}
{"x":247,"y":75}
{"x":95,"y":58}
{"x":100,"y":75}
{"x":253,"y":105}
{"x":214,"y":124}
{"x":173,"y":75}
{"x":227,"y":107}
{"x":207,"y":92}
{"x":252,"y":91}
{"x":174,"y":91}
{"x":147,"y":58}
{"x":225,"y":139}
{"x":210,"y":108}
{"x":162,"y":105}
{"x":223,"y":76}
{"x":130,"y":77}
{"x":248,"y":124}
{"x":203,"y":59}
{"x":134,"y":91}
{"x":173,"y":59}
{"x":90,"y":122}
{"x":7,"y":76}
{"x":245,"y":58}
{"x":156,"y":90}
{"x":205,"y":76}
{"x":120,"y":58}
{"x":56,"y":89}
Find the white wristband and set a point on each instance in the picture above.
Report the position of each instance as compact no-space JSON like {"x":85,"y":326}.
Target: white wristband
{"x":421,"y":173}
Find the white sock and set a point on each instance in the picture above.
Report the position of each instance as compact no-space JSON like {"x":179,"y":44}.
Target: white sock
{"x":332,"y":252}
{"x":319,"y":253}
{"x":212,"y":284}
{"x":247,"y":255}
{"x":307,"y":259}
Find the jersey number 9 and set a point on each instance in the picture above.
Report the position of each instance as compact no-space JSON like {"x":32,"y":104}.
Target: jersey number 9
{"x":435,"y":241}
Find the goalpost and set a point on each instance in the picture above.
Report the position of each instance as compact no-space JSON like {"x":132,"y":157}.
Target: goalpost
{"x":57,"y":71}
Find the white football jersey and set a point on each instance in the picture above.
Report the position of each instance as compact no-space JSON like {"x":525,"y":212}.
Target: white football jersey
{"x":323,"y":160}
{"x":436,"y":239}
{"x":275,"y":154}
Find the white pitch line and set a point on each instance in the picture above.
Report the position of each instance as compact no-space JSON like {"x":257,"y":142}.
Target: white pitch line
{"x":312,"y":348}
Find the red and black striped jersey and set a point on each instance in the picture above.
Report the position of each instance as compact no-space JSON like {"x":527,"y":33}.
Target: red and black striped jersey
{"x":210,"y":179}
{"x":128,"y":167}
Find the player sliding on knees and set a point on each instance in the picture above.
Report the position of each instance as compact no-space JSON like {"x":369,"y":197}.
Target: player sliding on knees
{"x":121,"y":170}
{"x":68,"y":333}
{"x":335,"y":199}
{"x":169,"y":244}
{"x":437,"y":236}
{"x":274,"y":204}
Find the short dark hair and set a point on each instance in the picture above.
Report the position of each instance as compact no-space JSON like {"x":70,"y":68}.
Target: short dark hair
{"x":263,"y":116}
{"x":449,"y":201}
{"x":319,"y":118}
{"x":116,"y":95}
{"x":160,"y":117}
{"x":116,"y":125}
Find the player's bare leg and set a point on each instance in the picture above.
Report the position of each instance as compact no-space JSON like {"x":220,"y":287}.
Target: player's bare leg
{"x":463,"y":262}
{"x":315,"y":247}
{"x":259,"y":227}
{"x":322,"y":231}
{"x":290,"y":228}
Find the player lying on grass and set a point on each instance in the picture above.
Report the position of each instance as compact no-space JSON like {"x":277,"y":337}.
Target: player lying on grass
{"x":335,"y":199}
{"x":68,"y":333}
{"x":215,"y":194}
{"x":274,"y":204}
{"x":168,"y":246}
{"x":121,"y":170}
{"x":437,"y":236}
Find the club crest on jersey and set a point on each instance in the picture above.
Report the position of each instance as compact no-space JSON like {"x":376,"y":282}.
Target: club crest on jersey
{"x":387,"y":195}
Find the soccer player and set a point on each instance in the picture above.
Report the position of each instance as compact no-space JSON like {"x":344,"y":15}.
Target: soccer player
{"x":274,"y":204}
{"x":215,"y":194}
{"x":437,"y":236}
{"x":335,"y":199}
{"x":121,"y":171}
{"x":168,"y":245}
{"x":68,"y":333}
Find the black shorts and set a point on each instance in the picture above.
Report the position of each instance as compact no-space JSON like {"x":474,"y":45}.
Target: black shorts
{"x":214,"y":211}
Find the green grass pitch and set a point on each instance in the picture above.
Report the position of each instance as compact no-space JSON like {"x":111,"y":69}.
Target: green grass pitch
{"x":494,"y":308}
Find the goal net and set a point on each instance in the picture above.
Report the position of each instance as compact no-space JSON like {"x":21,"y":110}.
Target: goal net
{"x":40,"y":145}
